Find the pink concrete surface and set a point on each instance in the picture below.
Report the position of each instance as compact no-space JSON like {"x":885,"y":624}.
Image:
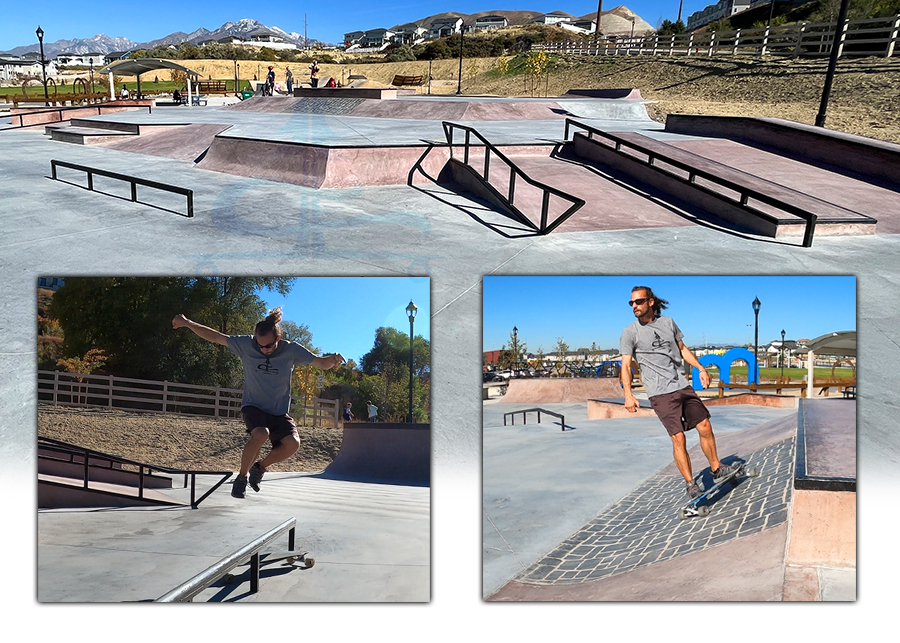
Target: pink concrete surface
{"x":756,"y":399}
{"x":185,"y":142}
{"x":601,"y":410}
{"x":801,"y":584}
{"x":551,"y":390}
{"x":270,"y":160}
{"x":830,"y":435}
{"x":823,"y":529}
{"x":384,"y":451}
{"x":855,"y":195}
{"x":746,"y":569}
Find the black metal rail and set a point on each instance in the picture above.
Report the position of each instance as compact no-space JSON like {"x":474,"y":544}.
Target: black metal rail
{"x":745,"y":192}
{"x":185,"y":592}
{"x":61,"y":110}
{"x":106,"y":461}
{"x":525,"y":412}
{"x":514,"y":171}
{"x":133,"y":180}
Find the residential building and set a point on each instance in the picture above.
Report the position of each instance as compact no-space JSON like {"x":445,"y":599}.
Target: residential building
{"x":554,"y":17}
{"x":718,"y":11}
{"x":353,"y":38}
{"x":409,"y":34}
{"x":376,"y":37}
{"x":484,"y":23}
{"x":444,"y":28}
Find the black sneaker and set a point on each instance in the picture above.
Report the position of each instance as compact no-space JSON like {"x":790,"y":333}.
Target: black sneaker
{"x":256,"y":476}
{"x":723,"y":472}
{"x":693,"y":490}
{"x":239,"y":487}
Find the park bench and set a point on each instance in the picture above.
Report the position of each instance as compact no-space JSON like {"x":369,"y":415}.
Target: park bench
{"x":407,"y":81}
{"x":211,"y":87}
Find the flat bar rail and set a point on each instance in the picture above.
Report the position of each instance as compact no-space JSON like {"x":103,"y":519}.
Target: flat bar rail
{"x":524,"y":412}
{"x":106,"y":461}
{"x":133,"y":180}
{"x":746,"y":193}
{"x":514,"y":171}
{"x":185,"y":592}
{"x":61,"y":110}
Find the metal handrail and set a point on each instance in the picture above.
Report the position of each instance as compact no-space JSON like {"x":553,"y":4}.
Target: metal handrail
{"x":524,"y":413}
{"x":514,"y":171}
{"x":133,"y":180}
{"x":64,"y":447}
{"x":185,"y":592}
{"x":745,"y":192}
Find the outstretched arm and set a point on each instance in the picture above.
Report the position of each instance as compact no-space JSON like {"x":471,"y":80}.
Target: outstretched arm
{"x":202,"y":331}
{"x":691,"y":359}
{"x":631,"y":403}
{"x":329,"y":361}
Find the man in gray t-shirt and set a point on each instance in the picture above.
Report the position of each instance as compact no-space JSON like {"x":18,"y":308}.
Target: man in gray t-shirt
{"x":655,"y":342}
{"x":268,"y":362}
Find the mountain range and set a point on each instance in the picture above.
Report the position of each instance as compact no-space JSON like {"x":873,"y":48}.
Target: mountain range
{"x":616,"y":20}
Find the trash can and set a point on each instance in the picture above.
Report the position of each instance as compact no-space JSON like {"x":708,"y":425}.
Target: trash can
{"x":246,"y":93}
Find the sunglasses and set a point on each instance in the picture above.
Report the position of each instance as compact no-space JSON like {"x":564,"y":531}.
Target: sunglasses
{"x":639,"y":302}
{"x":267,"y":346}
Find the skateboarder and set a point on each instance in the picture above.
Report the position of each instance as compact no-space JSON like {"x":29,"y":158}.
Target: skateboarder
{"x":268,"y":363}
{"x":270,"y":82}
{"x":655,"y":341}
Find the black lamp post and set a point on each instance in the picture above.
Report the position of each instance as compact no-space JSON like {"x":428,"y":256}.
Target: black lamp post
{"x":459,"y":81}
{"x":411,"y":313}
{"x":832,"y":63}
{"x":756,"y":305}
{"x":771,"y":11}
{"x":515,"y":350}
{"x":40,"y":37}
{"x":782,"y":354}
{"x":91,"y":63}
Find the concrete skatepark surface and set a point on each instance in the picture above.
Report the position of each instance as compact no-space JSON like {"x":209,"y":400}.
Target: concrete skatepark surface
{"x":559,"y":390}
{"x":253,"y":226}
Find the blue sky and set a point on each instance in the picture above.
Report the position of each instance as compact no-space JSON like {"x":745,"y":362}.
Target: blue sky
{"x":325,"y":21}
{"x":716,"y":310}
{"x":343,"y":313}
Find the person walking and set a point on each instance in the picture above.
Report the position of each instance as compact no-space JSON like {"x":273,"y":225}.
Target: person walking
{"x":655,"y":342}
{"x":270,"y":82}
{"x":268,"y":362}
{"x":314,"y":73}
{"x":289,"y":80}
{"x":348,"y":414}
{"x":372,"y":411}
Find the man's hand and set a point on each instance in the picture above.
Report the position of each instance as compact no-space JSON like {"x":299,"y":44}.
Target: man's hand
{"x":631,"y":404}
{"x":704,"y":378}
{"x":330,"y":361}
{"x":180,"y":321}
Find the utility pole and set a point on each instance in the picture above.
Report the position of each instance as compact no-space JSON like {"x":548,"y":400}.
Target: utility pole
{"x":305,"y":39}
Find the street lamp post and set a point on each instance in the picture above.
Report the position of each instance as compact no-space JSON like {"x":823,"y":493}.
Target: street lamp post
{"x":91,"y":63}
{"x":756,"y":305}
{"x":40,"y":37}
{"x":515,"y":350}
{"x":782,"y":354}
{"x":462,"y":28}
{"x":411,"y":313}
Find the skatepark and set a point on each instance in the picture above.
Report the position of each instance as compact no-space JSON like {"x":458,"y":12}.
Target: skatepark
{"x":592,"y":513}
{"x":253,"y":224}
{"x":365,"y":521}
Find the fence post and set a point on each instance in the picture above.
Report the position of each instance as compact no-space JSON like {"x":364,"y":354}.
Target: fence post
{"x":799,"y":47}
{"x":55,"y":387}
{"x":737,"y":41}
{"x":165,"y":396}
{"x":765,"y":45}
{"x":216,"y":414}
{"x":893,"y":38}
{"x":110,"y":391}
{"x":690,"y":44}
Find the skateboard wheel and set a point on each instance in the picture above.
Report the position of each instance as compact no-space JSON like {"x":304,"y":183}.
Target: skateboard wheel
{"x":228,"y":579}
{"x":702,"y":511}
{"x":752,"y":472}
{"x":290,"y":560}
{"x":682,"y":514}
{"x":309,"y":562}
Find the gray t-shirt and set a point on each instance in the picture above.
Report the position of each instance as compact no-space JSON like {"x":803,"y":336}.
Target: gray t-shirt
{"x":267,"y":380}
{"x":655,"y":347}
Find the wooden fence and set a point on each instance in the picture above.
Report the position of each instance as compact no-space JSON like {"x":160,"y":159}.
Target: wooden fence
{"x":871,"y":37}
{"x":153,"y":396}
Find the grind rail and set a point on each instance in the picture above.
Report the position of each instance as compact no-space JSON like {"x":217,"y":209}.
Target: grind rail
{"x":514,"y":171}
{"x":525,"y":412}
{"x":185,"y":592}
{"x":66,"y":452}
{"x":133,"y":180}
{"x":745,"y":193}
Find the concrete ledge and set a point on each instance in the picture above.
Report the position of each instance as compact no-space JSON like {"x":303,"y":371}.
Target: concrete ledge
{"x":615,"y":408}
{"x":775,"y":401}
{"x":630,"y":93}
{"x":345,"y":92}
{"x":857,"y":156}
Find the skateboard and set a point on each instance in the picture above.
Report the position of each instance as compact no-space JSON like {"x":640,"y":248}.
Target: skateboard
{"x":289,"y":557}
{"x":693,"y":508}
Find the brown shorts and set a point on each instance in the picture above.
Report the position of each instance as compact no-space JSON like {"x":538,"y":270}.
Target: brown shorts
{"x":679,"y":411}
{"x":280,"y":426}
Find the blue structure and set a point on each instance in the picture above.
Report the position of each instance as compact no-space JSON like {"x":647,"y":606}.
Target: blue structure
{"x":724,"y":362}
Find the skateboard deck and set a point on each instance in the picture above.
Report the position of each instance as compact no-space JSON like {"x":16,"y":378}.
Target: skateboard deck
{"x":694,"y":508}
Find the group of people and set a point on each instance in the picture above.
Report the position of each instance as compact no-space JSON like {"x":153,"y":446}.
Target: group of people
{"x":269,"y":87}
{"x":371,"y":411}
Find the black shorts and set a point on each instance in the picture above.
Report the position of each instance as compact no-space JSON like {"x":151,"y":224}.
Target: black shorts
{"x":679,"y":411}
{"x":280,"y":426}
